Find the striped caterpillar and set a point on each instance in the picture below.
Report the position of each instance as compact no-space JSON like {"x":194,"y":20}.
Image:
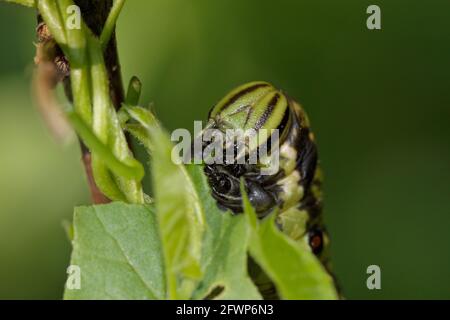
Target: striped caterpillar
{"x":295,"y":189}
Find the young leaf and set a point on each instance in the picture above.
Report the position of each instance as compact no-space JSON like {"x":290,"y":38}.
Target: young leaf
{"x":180,"y":217}
{"x":296,"y":272}
{"x":224,"y":253}
{"x":118,"y":251}
{"x":225,"y":265}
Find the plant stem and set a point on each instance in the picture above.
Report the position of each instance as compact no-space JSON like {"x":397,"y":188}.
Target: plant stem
{"x":111,"y":23}
{"x":133,"y":168}
{"x":95,"y":13}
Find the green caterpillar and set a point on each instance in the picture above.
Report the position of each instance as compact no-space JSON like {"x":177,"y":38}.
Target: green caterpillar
{"x":295,"y":189}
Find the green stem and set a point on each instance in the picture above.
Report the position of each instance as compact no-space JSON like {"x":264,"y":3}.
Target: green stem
{"x":100,"y":91}
{"x":80,"y":84}
{"x":50,"y":14}
{"x":110,"y":23}
{"x":116,"y":171}
{"x":76,"y":37}
{"x":130,"y":168}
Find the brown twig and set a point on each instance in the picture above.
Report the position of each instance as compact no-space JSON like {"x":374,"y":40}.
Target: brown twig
{"x":53,"y":68}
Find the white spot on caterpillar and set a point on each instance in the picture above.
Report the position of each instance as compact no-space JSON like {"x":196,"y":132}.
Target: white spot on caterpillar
{"x":288,"y":156}
{"x":292,"y":190}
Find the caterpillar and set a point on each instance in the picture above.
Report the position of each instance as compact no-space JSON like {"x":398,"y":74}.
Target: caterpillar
{"x":295,"y":189}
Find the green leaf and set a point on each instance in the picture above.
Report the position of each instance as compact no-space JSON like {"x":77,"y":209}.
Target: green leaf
{"x":142,"y":116}
{"x":180,"y":216}
{"x":224,"y":253}
{"x":27,"y":3}
{"x":118,"y":250}
{"x":184,"y":203}
{"x":296,"y":272}
{"x":133,"y":92}
{"x":225,"y":265}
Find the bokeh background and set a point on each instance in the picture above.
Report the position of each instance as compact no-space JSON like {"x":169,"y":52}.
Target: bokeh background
{"x":379,"y":102}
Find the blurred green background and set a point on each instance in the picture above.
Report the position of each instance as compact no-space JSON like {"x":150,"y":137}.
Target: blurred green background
{"x":379,"y":102}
